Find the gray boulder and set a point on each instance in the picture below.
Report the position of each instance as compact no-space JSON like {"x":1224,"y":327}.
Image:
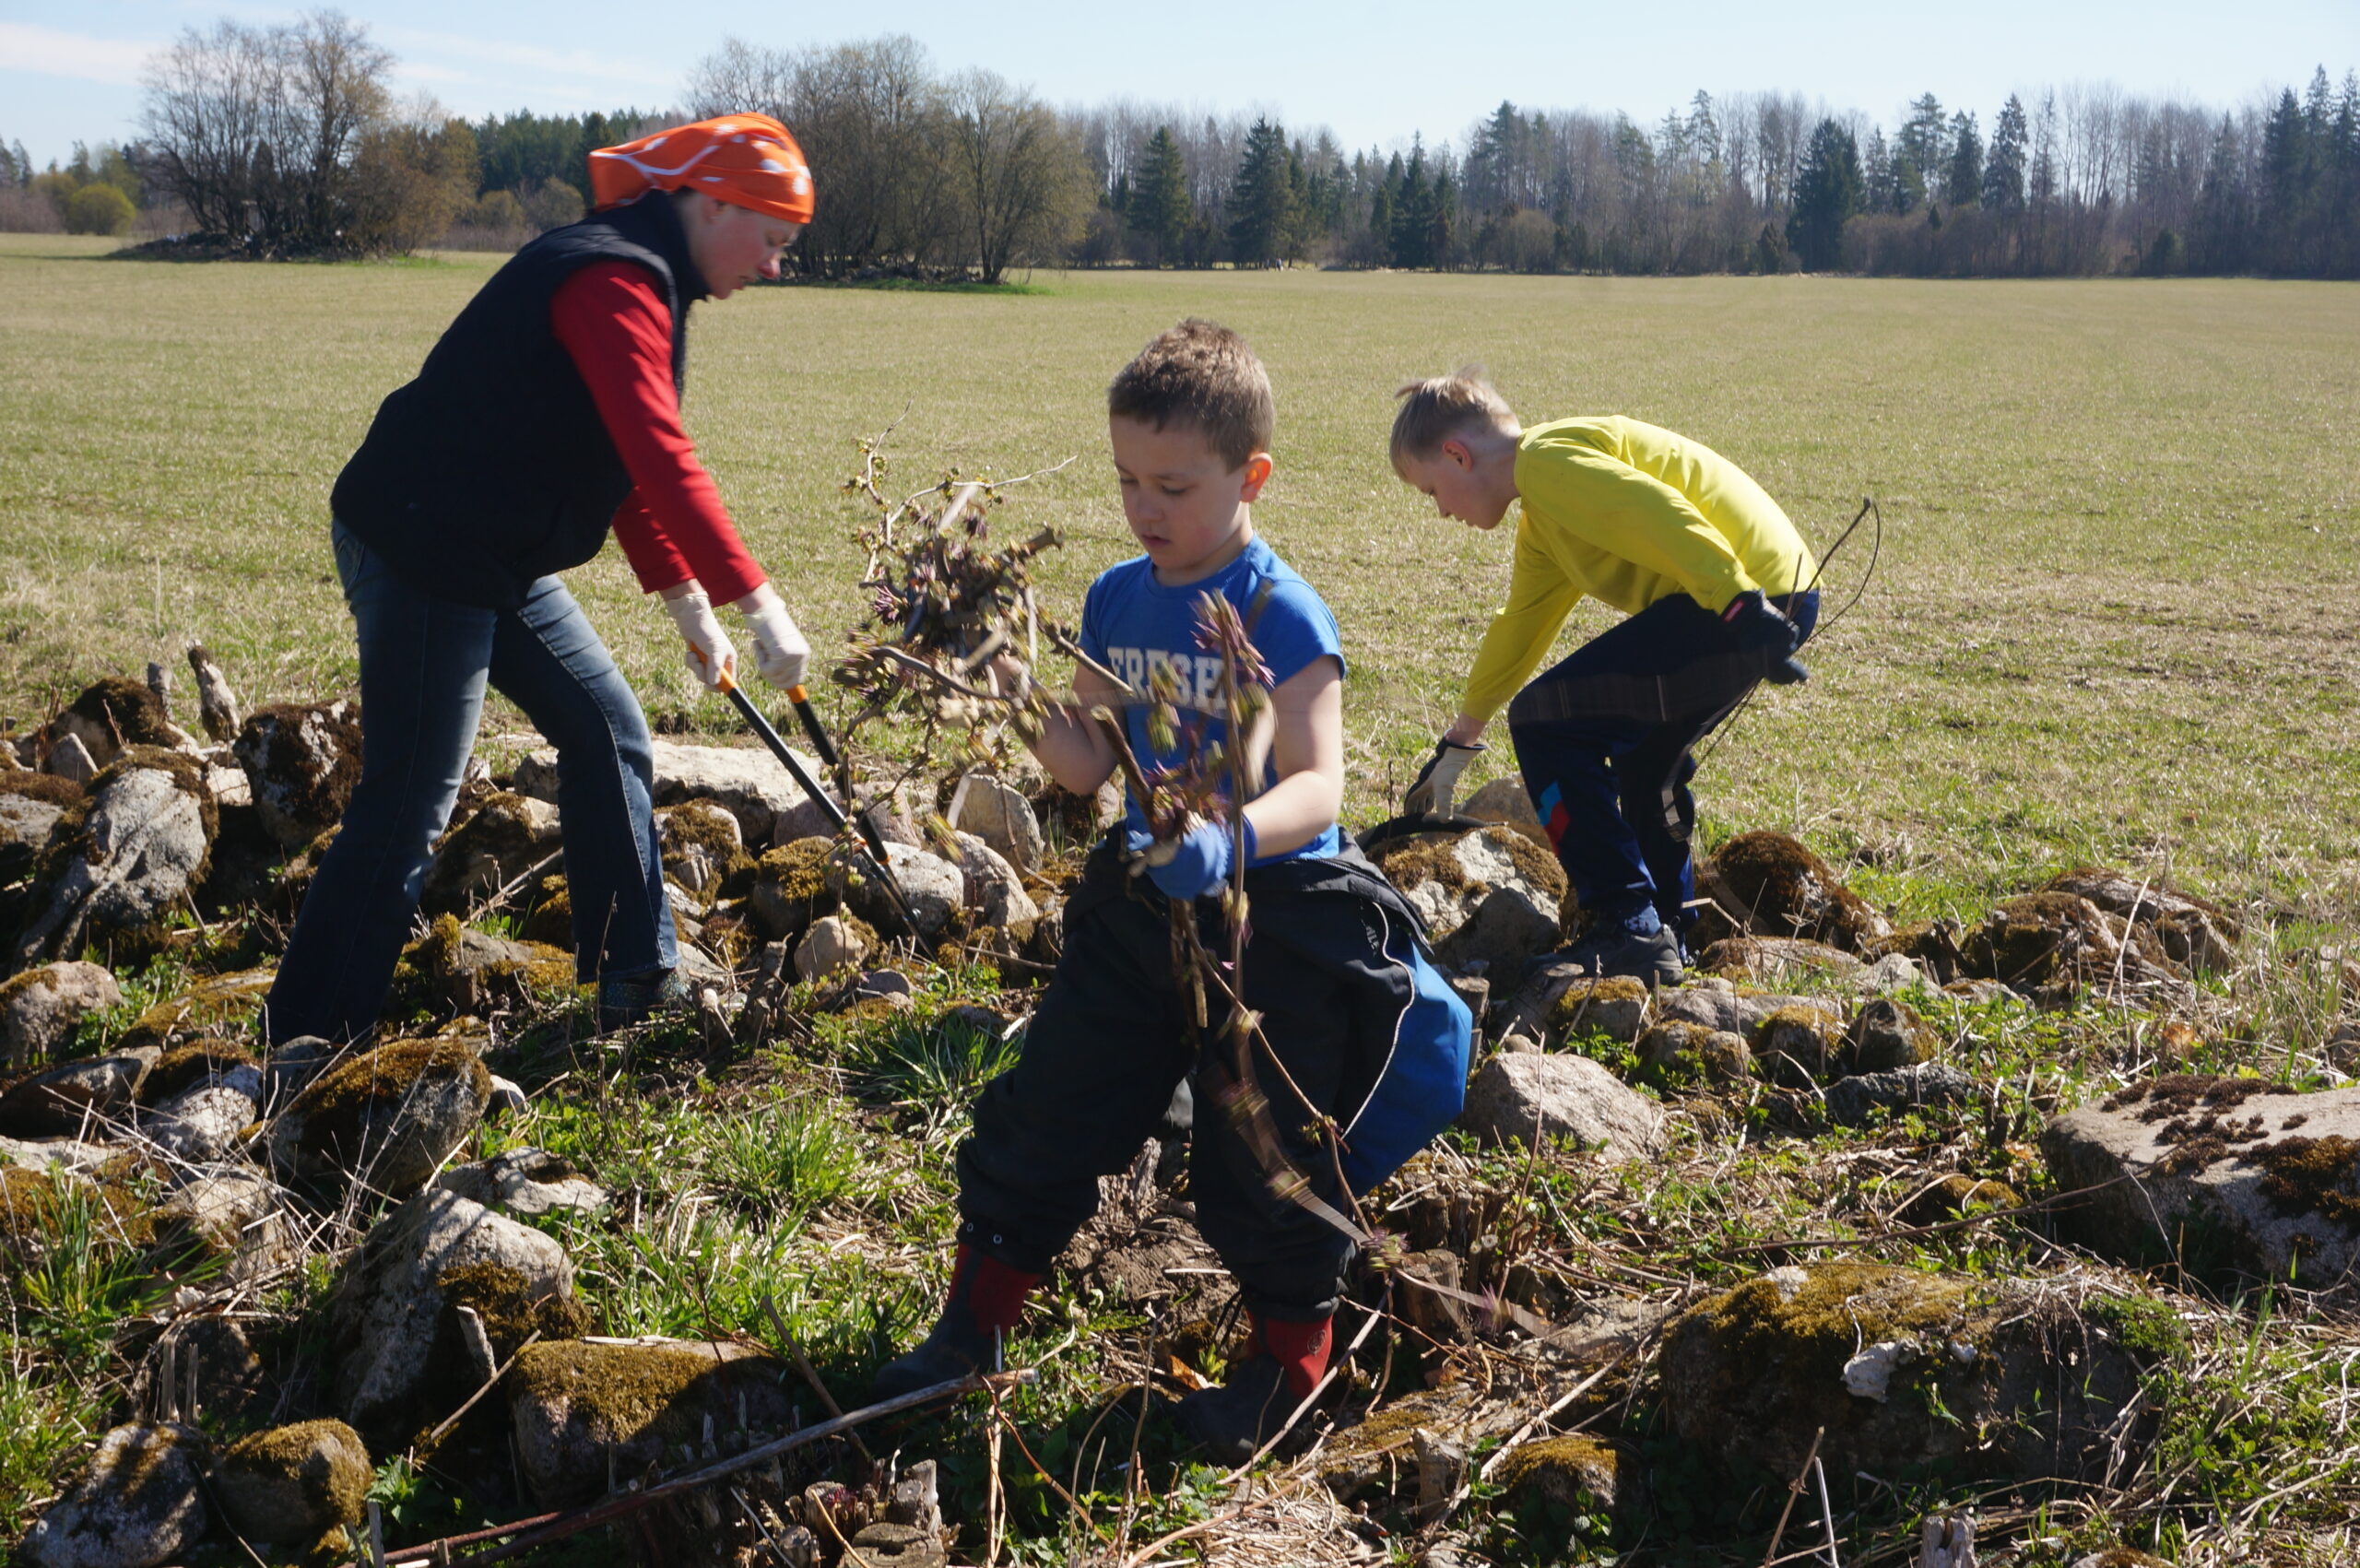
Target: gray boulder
{"x":39,"y":1008}
{"x":997,"y":813}
{"x":936,"y":891}
{"x":301,"y":761}
{"x":1851,"y":1101}
{"x":386,"y":1316}
{"x":1718,"y":1005}
{"x":1455,"y":884}
{"x":2224,"y":1176}
{"x":293,"y":1484}
{"x":1502,"y":800}
{"x":137,"y":1505}
{"x":523,"y":1181}
{"x":72,"y":1098}
{"x":28,"y":813}
{"x":201,"y":1122}
{"x":830,"y":943}
{"x":991,"y":885}
{"x":585,"y":1411}
{"x":387,"y":1118}
{"x":1562,"y":1096}
{"x":40,"y":1154}
{"x":770,"y":807}
{"x":237,"y":1214}
{"x":137,"y":857}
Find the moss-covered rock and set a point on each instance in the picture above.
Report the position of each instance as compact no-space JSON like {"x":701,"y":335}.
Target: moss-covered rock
{"x":793,"y":885}
{"x":1615,"y":1006}
{"x":291,"y":1485}
{"x":1955,"y":1195}
{"x":207,"y":1006}
{"x":1886,"y":1034}
{"x":1781,"y":889}
{"x":113,"y":714}
{"x":504,"y":838}
{"x":704,"y":849}
{"x":1912,"y":1375}
{"x":123,"y":862}
{"x":1578,"y":1476}
{"x":139,"y":1502}
{"x":1796,"y":1044}
{"x":301,"y":763}
{"x":583,"y":1413}
{"x":386,"y":1118}
{"x":1676,"y":1050}
{"x":469,"y":971}
{"x":41,"y":1008}
{"x":2054,"y":943}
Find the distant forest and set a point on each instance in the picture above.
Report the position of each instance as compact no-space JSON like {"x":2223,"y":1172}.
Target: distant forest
{"x":930,"y":173}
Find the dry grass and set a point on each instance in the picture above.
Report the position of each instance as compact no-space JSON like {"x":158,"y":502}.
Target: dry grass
{"x":2116,"y":615}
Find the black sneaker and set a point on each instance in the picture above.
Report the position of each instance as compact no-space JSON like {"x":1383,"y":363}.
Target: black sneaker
{"x":1233,"y":1420}
{"x":627,"y":999}
{"x":1655,"y":958}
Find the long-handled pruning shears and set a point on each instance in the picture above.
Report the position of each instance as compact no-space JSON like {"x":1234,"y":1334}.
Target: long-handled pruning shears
{"x":871,"y":840}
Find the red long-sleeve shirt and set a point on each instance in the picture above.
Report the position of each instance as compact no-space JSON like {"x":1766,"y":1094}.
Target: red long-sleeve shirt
{"x":672,"y":526}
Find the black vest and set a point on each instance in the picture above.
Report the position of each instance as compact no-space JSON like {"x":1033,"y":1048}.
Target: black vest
{"x":492,"y":468}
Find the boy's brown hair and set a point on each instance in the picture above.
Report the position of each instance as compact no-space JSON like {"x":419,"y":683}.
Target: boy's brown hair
{"x":1204,"y":373}
{"x":1438,"y":408}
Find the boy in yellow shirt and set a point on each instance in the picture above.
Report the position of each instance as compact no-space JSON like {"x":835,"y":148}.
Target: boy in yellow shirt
{"x":1718,"y":586}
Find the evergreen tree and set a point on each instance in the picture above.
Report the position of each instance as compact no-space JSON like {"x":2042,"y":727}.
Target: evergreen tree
{"x":1918,"y":153}
{"x":2218,"y":238}
{"x":2003,"y":172}
{"x":1441,"y":225}
{"x":1876,"y":176}
{"x":1413,"y":212}
{"x":1159,"y":207}
{"x":1827,"y":192}
{"x":1261,"y":198}
{"x":1964,"y":184}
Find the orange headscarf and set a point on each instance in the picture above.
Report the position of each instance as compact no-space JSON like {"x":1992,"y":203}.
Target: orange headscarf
{"x":748,"y":160}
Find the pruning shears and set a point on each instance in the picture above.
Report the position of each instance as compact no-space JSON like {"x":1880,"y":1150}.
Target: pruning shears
{"x":871,"y":840}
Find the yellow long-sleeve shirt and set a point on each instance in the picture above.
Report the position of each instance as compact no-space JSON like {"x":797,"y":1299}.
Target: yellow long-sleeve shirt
{"x":1628,"y":514}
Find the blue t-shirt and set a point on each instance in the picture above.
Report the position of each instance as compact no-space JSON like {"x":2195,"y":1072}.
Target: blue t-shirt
{"x":1131,"y":623}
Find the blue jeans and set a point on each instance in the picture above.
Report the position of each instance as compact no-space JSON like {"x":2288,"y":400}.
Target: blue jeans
{"x":424,"y":665}
{"x":1605,"y":742}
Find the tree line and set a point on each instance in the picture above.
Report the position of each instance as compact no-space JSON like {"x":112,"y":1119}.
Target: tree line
{"x":287,"y":140}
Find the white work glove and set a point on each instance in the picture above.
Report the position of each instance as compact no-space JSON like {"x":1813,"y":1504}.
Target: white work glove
{"x":710,"y":653}
{"x":1438,"y":782}
{"x":780,"y":650}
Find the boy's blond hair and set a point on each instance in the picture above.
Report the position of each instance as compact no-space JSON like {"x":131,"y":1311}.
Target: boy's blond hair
{"x":1205,"y":374}
{"x":1438,"y":408}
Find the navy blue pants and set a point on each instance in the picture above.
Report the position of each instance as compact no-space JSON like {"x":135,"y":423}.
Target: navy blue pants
{"x":1606,"y":743}
{"x":424,"y":665}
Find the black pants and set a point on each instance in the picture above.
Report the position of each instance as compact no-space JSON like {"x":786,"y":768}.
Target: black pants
{"x":1103,"y":1057}
{"x":1605,"y":740}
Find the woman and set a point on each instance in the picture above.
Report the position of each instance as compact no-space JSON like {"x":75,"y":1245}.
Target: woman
{"x":548,"y":414}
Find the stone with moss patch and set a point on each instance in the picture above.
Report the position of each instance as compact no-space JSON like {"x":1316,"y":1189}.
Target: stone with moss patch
{"x":505,"y":837}
{"x":138,"y":1502}
{"x":471,"y":971}
{"x":387,"y":1117}
{"x":130,"y":856}
{"x":585,"y":1414}
{"x":1490,"y":896}
{"x":1912,"y":1375}
{"x":793,"y":888}
{"x":395,"y":1367}
{"x":41,"y":1008}
{"x":293,"y":1484}
{"x":2230,"y":1178}
{"x":1796,"y":1044}
{"x":301,"y":762}
{"x":2052,"y":944}
{"x":113,"y":714}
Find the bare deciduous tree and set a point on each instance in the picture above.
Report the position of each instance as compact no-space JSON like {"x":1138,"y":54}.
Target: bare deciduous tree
{"x":1018,"y":171}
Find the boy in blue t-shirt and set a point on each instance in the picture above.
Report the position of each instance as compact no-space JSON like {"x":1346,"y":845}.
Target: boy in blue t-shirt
{"x":1335,"y":965}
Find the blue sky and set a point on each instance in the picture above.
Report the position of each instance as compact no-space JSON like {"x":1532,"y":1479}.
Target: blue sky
{"x":1374,"y":70}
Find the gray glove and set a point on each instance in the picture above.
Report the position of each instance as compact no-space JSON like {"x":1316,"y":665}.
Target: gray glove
{"x":1430,"y":795}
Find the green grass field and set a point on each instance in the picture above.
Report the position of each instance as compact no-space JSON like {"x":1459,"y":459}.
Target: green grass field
{"x":2117,"y":616}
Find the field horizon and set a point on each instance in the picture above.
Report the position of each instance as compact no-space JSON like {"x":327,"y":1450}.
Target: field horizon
{"x":2114,"y":616}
